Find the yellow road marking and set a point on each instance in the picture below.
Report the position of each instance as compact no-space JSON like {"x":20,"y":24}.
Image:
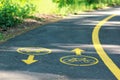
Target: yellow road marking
{"x":78,"y":51}
{"x":103,"y":55}
{"x":30,"y":60}
{"x":75,"y":60}
{"x":34,"y":51}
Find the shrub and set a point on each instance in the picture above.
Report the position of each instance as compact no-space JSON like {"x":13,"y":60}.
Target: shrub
{"x":1,"y":36}
{"x":12,"y":13}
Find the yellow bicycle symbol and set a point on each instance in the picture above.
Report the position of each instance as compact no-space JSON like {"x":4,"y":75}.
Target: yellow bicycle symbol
{"x":34,"y":51}
{"x":82,"y":60}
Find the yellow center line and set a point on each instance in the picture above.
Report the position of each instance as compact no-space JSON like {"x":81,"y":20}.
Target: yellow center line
{"x":103,"y":55}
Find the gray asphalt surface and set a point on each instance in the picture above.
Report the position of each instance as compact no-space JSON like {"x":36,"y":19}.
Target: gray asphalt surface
{"x":62,"y":37}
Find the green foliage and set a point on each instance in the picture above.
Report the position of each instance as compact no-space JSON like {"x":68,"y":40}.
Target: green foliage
{"x":74,"y":6}
{"x":1,"y":36}
{"x":11,"y":13}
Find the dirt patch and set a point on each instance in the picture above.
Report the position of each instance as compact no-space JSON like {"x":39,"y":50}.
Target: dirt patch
{"x":28,"y":24}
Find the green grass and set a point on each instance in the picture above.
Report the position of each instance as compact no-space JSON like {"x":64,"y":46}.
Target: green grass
{"x":45,"y":6}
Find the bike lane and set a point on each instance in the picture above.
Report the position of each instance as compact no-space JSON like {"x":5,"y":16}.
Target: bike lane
{"x":68,"y":41}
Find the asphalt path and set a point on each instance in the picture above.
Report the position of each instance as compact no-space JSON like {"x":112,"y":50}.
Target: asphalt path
{"x":65,"y":50}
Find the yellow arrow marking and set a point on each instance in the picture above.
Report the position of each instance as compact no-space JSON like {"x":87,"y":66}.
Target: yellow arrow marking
{"x":30,"y":60}
{"x":78,"y":51}
{"x":103,"y":55}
